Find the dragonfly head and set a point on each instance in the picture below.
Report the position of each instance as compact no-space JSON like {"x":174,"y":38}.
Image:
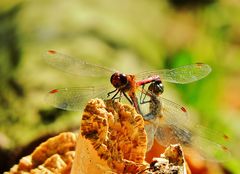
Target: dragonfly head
{"x":119,"y":80}
{"x":156,"y":87}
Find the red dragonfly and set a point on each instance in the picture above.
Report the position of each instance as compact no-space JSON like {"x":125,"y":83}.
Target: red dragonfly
{"x":124,"y":84}
{"x":168,"y":123}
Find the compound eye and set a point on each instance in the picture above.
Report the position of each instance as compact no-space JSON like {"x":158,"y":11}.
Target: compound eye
{"x":156,"y":88}
{"x":118,"y":80}
{"x":123,"y":79}
{"x":160,"y":88}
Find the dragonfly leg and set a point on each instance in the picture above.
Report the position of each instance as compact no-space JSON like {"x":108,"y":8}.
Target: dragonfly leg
{"x":143,"y":96}
{"x":130,"y":101}
{"x":108,"y":94}
{"x":144,"y":102}
{"x":118,"y":97}
{"x":114,"y":96}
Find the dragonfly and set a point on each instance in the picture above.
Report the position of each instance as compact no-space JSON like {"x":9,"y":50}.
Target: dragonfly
{"x":124,"y":84}
{"x":168,"y":123}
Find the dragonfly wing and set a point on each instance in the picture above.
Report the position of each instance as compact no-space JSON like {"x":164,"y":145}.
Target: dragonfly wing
{"x":75,"y":66}
{"x":199,"y":140}
{"x":150,"y":131}
{"x":173,"y":113}
{"x":73,"y":99}
{"x":210,"y":150}
{"x":182,"y":75}
{"x":171,"y":134}
{"x":211,"y":145}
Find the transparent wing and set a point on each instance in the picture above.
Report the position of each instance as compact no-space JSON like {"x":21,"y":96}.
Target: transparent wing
{"x":73,"y":99}
{"x":212,"y":145}
{"x":209,"y":148}
{"x":150,"y":131}
{"x":183,"y":74}
{"x":75,"y":66}
{"x":171,"y":134}
{"x":165,"y":111}
{"x":173,"y":113}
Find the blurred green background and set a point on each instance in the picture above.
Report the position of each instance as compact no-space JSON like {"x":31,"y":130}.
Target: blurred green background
{"x":131,"y":36}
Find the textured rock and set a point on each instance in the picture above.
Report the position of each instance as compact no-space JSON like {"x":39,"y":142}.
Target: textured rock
{"x":111,"y":139}
{"x":53,"y":156}
{"x":116,"y":132}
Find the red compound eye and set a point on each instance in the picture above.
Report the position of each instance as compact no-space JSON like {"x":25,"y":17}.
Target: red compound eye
{"x":118,"y":80}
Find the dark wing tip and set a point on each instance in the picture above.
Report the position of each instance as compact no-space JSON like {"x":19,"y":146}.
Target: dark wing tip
{"x":225,"y":148}
{"x":53,"y":91}
{"x":183,"y":109}
{"x":51,"y":52}
{"x":226,"y":137}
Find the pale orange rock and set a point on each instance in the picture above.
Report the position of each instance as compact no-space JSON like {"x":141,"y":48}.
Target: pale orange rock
{"x":112,"y":139}
{"x":116,"y":134}
{"x":53,"y":156}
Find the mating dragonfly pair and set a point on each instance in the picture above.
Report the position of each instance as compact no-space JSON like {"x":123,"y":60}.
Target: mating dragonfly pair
{"x":166,"y":121}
